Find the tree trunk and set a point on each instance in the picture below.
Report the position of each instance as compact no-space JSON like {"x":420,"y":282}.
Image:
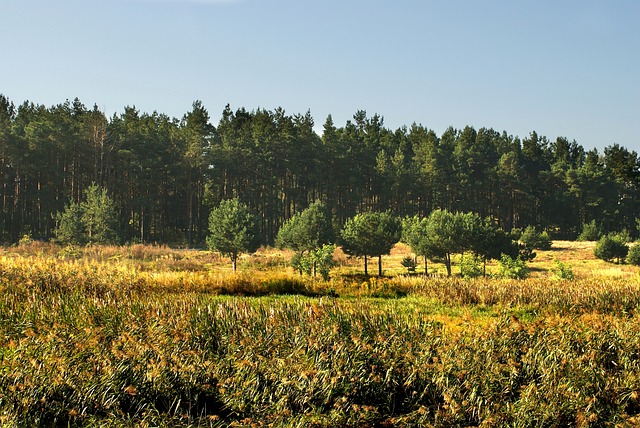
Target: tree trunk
{"x":447,"y":262}
{"x":234,"y":261}
{"x":426,"y":270}
{"x":366,"y":272}
{"x":380,"y":265}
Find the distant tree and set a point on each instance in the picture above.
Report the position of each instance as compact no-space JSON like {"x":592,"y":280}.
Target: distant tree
{"x":633,"y":258}
{"x":99,"y":216}
{"x":610,"y":247}
{"x":371,"y":234}
{"x":414,"y":234}
{"x":232,"y":230}
{"x":492,"y":242}
{"x":445,"y":231}
{"x":70,"y":229}
{"x":533,"y":239}
{"x":305,"y":233}
{"x":590,"y":232}
{"x":93,"y":221}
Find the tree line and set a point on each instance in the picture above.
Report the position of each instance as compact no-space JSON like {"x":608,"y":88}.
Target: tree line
{"x":311,"y":235}
{"x":166,"y":174}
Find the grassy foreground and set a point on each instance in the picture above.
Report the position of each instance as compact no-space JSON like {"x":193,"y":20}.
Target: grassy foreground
{"x":142,"y":336}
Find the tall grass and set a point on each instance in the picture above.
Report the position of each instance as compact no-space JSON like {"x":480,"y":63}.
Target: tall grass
{"x":307,"y":362}
{"x":104,"y":342}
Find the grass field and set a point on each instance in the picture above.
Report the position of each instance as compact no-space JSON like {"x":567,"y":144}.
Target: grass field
{"x":150,"y":336}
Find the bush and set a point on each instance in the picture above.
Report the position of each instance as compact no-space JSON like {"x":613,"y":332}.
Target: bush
{"x":590,"y":232}
{"x":610,"y":247}
{"x":633,"y":257}
{"x":533,"y":239}
{"x":470,"y":267}
{"x":511,"y":268}
{"x":562,"y":270}
{"x":409,"y":263}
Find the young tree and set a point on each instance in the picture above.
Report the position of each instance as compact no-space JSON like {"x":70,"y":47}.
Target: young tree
{"x":371,"y":234}
{"x":414,"y":234}
{"x":99,"y":216}
{"x":492,"y":242}
{"x":70,"y":228}
{"x":445,"y":230}
{"x":93,"y":221}
{"x":233,"y":230}
{"x":534,"y":240}
{"x":590,"y":232}
{"x":611,"y":246}
{"x":305,"y":233}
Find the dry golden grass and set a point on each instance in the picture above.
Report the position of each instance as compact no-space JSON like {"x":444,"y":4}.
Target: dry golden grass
{"x":138,"y":336}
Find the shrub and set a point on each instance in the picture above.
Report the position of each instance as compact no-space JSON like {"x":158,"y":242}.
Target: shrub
{"x":610,"y":247}
{"x":562,"y":270}
{"x":633,"y":257}
{"x":590,"y":232}
{"x":409,"y":263}
{"x":533,"y":239}
{"x":512,"y":268}
{"x":470,"y":266}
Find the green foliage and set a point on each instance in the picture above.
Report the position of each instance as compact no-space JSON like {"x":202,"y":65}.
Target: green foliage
{"x":445,"y":235}
{"x":590,"y":232}
{"x":414,"y":234}
{"x":233,"y":230}
{"x":319,"y":261}
{"x":409,"y":263}
{"x":562,"y":271}
{"x":490,"y":242}
{"x":610,"y":247}
{"x":470,"y":266}
{"x":99,"y":216}
{"x":70,"y":228}
{"x":633,"y":258}
{"x":306,"y":231}
{"x":533,"y":239}
{"x":511,"y":268}
{"x":323,"y":259}
{"x":371,"y":234}
{"x":94,"y":221}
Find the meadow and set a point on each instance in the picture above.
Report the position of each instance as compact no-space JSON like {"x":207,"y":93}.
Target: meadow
{"x":153,"y":336}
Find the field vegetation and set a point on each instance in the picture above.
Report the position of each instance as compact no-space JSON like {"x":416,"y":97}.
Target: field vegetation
{"x":153,"y":336}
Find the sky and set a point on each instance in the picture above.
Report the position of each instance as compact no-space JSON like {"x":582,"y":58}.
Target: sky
{"x":567,"y":68}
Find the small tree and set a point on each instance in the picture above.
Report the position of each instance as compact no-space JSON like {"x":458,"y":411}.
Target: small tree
{"x":70,"y":228}
{"x":414,"y":234}
{"x":233,"y":230}
{"x":371,"y":234}
{"x":445,"y":231}
{"x":99,"y":216}
{"x":610,"y":247}
{"x":633,"y":258}
{"x":562,"y":271}
{"x":92,"y":221}
{"x":305,"y":233}
{"x":511,"y":268}
{"x":590,"y":232}
{"x":492,"y":242}
{"x":532,"y":239}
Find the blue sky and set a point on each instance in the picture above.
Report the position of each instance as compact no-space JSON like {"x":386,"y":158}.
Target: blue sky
{"x":563,"y":68}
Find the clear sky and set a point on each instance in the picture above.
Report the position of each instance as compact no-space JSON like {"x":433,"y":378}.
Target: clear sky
{"x":561,"y":67}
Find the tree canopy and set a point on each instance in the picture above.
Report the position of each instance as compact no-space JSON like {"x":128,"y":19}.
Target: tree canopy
{"x":371,"y":234}
{"x":165,"y":174}
{"x":232,"y":230}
